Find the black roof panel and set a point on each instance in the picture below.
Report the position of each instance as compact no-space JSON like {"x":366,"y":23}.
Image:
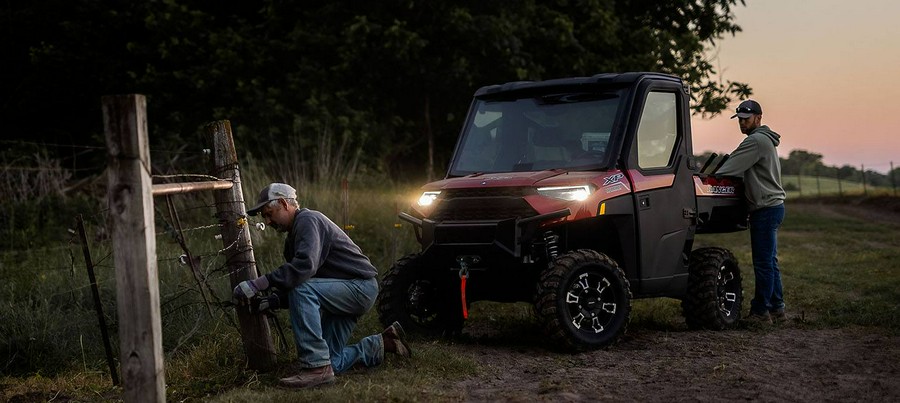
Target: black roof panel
{"x":605,"y":79}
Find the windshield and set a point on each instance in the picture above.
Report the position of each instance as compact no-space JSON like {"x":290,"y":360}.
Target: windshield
{"x":532,"y":134}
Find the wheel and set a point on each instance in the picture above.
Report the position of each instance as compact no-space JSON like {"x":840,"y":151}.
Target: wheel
{"x":583,"y":301}
{"x":714,"y":294}
{"x":420,"y":298}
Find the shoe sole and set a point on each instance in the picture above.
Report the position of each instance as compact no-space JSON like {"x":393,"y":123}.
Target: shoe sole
{"x":287,"y":386}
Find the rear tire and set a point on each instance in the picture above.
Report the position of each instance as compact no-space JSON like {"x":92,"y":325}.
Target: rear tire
{"x":715,"y":294}
{"x":420,"y":297}
{"x":583,"y":301}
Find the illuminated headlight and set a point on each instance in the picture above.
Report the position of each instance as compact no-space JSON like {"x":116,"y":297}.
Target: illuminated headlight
{"x":428,"y":198}
{"x":571,"y":193}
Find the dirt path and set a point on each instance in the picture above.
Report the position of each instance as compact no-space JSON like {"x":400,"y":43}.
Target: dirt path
{"x":781,"y":363}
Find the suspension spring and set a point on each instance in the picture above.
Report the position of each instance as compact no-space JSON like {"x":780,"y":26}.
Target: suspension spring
{"x":551,"y":244}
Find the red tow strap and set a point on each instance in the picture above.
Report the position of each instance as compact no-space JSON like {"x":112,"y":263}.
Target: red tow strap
{"x":462,"y":291}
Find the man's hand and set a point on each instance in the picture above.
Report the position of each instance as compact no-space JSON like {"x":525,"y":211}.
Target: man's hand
{"x":244,"y":291}
{"x":269,"y":303}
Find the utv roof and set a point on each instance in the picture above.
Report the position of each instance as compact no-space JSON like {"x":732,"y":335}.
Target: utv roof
{"x":616,"y":80}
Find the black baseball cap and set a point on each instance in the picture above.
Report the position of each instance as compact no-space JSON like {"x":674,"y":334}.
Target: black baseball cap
{"x":747,"y":109}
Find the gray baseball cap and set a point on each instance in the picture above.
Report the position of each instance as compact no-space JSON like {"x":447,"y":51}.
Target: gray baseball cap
{"x":274,"y":191}
{"x":747,"y":108}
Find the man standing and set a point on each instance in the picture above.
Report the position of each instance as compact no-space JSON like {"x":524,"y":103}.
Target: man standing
{"x":756,"y":160}
{"x":329,"y":282}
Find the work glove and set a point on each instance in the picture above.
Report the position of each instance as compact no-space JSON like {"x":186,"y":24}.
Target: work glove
{"x":244,"y":291}
{"x":268,"y":303}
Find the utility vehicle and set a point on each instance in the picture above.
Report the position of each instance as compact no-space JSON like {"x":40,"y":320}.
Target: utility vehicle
{"x":576,"y":195}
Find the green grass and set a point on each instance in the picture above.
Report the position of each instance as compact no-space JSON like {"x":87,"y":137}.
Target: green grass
{"x":810,"y":186}
{"x":838,"y":271}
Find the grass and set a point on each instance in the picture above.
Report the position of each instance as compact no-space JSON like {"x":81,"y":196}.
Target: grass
{"x":810,"y":186}
{"x":838,"y":271}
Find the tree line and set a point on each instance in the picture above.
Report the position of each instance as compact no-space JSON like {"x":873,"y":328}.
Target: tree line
{"x":390,"y":79}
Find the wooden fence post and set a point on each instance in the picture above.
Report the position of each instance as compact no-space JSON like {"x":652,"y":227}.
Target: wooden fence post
{"x":239,"y":260}
{"x":818,"y":185}
{"x":865,"y":188}
{"x":893,"y":182}
{"x":840,"y":189}
{"x":130,"y":198}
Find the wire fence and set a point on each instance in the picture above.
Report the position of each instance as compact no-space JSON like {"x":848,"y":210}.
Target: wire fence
{"x":846,"y":181}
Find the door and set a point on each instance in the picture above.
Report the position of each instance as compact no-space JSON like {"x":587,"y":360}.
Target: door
{"x":663,"y":190}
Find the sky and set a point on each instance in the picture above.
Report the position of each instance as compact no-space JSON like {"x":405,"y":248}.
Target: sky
{"x":826,"y":73}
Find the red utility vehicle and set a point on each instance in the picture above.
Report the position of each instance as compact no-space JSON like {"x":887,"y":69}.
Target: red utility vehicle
{"x":577,"y":195}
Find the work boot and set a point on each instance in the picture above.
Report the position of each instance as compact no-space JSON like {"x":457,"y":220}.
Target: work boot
{"x":393,"y":340}
{"x":759,"y":318}
{"x":309,"y":377}
{"x":778,"y":316}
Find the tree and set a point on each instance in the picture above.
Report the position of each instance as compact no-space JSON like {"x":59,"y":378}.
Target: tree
{"x":392,"y":77}
{"x":801,"y":162}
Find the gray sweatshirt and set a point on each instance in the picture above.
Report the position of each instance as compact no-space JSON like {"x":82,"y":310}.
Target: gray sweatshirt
{"x":317,"y":247}
{"x":756,"y":160}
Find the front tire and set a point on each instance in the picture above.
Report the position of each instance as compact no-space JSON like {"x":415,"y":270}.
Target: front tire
{"x":715,"y":294}
{"x":420,"y":297}
{"x":584,"y":301}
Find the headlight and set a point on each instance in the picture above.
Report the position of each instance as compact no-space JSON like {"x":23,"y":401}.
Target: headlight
{"x":427,"y":198}
{"x":571,"y":193}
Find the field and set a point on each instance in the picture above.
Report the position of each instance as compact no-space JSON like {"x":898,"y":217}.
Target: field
{"x":812,"y":186}
{"x":842,"y":342}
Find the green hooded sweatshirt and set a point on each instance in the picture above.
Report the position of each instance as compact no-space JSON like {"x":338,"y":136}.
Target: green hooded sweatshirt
{"x":756,"y":160}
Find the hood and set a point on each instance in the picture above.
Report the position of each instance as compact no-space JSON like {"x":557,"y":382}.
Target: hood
{"x":766,"y":131}
{"x":554,"y":177}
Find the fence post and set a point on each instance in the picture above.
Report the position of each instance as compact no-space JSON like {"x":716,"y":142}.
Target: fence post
{"x":98,"y":305}
{"x":239,"y":260}
{"x":818,"y":185}
{"x":893,"y":183}
{"x":840,"y":190}
{"x":130,"y":196}
{"x":865,"y":188}
{"x":345,"y":205}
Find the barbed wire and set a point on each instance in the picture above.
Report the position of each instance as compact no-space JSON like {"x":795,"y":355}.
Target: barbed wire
{"x":90,"y":147}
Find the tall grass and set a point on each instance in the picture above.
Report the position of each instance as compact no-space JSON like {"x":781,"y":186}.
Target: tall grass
{"x":49,"y":325}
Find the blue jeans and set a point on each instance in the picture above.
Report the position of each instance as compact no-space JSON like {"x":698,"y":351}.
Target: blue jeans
{"x":323,"y":314}
{"x":764,"y":223}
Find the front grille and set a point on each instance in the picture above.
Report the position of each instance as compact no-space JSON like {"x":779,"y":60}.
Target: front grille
{"x":489,"y":192}
{"x":479,"y":204}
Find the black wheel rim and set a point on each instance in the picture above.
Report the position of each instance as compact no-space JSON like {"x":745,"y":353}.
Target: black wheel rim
{"x":592,"y":302}
{"x":420,"y":303}
{"x":727,"y":291}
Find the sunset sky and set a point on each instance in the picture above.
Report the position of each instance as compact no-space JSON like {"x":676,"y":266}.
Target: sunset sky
{"x":827,"y":74}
